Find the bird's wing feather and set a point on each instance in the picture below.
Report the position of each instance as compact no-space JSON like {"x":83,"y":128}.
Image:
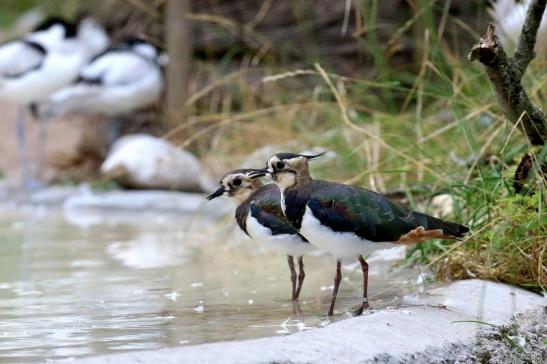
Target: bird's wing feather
{"x":266,"y":208}
{"x":20,"y":57}
{"x":115,"y":68}
{"x":367,"y":214}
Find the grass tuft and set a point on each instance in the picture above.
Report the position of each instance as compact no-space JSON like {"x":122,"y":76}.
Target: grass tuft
{"x":512,"y":251}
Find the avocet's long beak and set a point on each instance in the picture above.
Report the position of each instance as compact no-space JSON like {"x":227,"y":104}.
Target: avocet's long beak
{"x":216,"y":194}
{"x":258,"y":173}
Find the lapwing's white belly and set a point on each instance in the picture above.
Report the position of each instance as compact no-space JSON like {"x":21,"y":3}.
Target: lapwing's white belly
{"x":341,"y":245}
{"x":284,"y":243}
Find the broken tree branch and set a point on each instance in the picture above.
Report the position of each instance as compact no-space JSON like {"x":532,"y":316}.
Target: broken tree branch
{"x":527,"y":40}
{"x":505,"y":73}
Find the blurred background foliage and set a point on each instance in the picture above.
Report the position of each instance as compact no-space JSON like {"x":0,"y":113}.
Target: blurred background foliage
{"x":11,"y":10}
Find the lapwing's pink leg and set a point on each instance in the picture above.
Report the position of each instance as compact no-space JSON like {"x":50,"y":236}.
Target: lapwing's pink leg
{"x":290,"y":260}
{"x":364,"y":304}
{"x":337,"y":280}
{"x":301,"y":276}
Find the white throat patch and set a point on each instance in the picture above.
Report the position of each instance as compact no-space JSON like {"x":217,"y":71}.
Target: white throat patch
{"x":283,"y":207}
{"x":285,"y":180}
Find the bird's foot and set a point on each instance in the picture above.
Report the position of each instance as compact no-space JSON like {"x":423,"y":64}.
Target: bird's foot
{"x":296,"y":309}
{"x":294,"y":297}
{"x":360,"y":309}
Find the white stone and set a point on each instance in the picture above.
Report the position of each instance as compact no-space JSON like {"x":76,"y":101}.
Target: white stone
{"x":442,"y":205}
{"x":145,"y":161}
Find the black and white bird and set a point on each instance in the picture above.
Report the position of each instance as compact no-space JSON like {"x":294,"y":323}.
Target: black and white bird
{"x":347,"y":221}
{"x":123,"y":79}
{"x":42,"y":62}
{"x":259,"y":215}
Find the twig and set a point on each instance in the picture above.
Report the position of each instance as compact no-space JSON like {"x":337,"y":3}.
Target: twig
{"x":527,"y":40}
{"x":505,"y":73}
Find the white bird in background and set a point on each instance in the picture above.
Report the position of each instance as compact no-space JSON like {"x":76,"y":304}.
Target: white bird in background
{"x":121,"y":80}
{"x":509,"y":17}
{"x":42,"y":62}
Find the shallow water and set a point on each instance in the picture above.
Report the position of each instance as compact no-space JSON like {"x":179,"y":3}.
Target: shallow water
{"x":91,"y":283}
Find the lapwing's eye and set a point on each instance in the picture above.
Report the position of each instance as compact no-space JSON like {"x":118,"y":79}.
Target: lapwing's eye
{"x":236,"y":182}
{"x":280,"y":165}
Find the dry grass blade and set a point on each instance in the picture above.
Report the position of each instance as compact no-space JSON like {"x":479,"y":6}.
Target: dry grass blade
{"x":443,"y":255}
{"x":481,"y":153}
{"x":346,"y":120}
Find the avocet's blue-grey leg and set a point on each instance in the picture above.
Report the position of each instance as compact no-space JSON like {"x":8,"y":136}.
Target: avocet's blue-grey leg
{"x":22,"y":148}
{"x":42,"y":140}
{"x":115,"y":129}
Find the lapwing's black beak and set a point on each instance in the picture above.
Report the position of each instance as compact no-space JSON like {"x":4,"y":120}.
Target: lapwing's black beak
{"x":216,"y":194}
{"x":258,"y":173}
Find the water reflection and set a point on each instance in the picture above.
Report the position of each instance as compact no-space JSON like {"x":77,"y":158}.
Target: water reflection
{"x":140,"y":281}
{"x":148,"y":251}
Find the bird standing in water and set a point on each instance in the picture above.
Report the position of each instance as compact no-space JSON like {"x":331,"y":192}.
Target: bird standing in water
{"x":42,"y":62}
{"x":259,"y":215}
{"x":347,"y":221}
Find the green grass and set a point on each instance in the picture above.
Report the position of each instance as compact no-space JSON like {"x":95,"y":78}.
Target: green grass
{"x":10,"y":10}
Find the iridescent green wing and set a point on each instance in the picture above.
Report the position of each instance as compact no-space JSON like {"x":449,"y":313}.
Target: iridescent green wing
{"x":367,"y":214}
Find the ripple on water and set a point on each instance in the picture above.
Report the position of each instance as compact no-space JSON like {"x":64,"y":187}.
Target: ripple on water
{"x":136,"y":282}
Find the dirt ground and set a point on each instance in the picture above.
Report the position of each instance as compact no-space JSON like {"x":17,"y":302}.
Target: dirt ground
{"x":63,"y":136}
{"x":520,"y":342}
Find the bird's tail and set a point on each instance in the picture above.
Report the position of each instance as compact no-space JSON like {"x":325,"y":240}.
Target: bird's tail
{"x":451,"y":230}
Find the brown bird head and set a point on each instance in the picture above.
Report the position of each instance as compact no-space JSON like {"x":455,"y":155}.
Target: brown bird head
{"x":238,"y":184}
{"x":287,"y":169}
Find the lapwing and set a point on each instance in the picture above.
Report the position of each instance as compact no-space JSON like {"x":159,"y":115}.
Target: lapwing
{"x":42,"y":62}
{"x":347,"y":221}
{"x":259,"y":215}
{"x":125,"y":78}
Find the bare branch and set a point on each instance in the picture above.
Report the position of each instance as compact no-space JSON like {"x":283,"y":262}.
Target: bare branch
{"x":505,"y":73}
{"x":178,"y":39}
{"x":527,"y":40}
